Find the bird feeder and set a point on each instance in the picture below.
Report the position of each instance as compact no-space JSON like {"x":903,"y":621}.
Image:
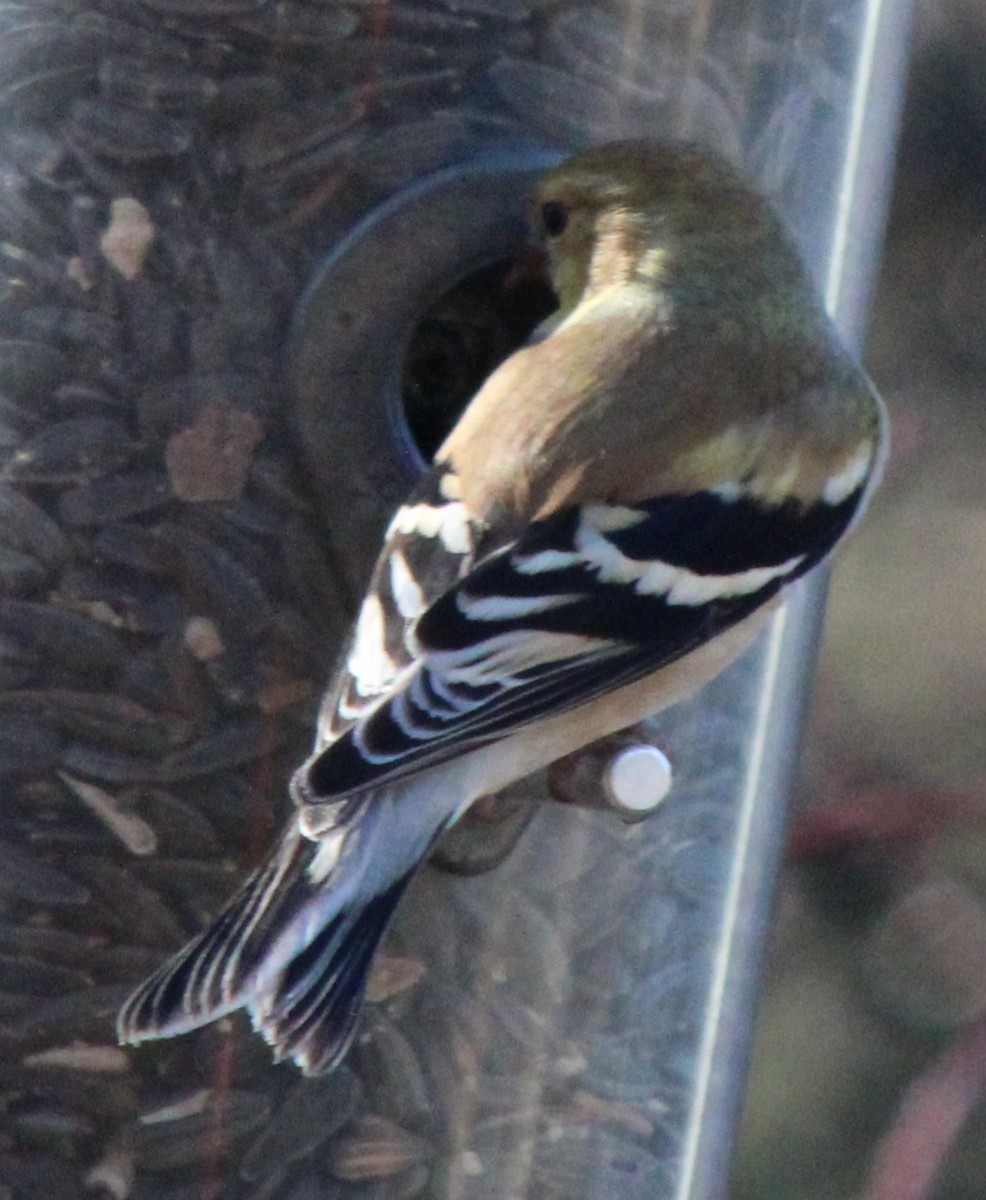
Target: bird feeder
{"x":255,"y":256}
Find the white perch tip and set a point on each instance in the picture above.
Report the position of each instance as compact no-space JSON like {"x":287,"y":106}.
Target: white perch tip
{"x":636,"y":779}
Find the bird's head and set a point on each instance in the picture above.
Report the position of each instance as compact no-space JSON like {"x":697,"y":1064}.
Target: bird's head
{"x":644,"y":213}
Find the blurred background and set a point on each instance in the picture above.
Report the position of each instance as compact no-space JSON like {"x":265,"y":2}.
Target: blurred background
{"x":870,"y":1060}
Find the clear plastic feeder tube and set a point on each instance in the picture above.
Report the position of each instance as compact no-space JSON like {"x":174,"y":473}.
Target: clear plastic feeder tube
{"x":255,"y":255}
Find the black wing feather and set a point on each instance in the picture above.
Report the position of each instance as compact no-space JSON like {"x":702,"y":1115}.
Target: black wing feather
{"x":616,"y":632}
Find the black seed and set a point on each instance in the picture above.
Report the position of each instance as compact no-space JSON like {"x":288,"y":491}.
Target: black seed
{"x":26,"y":876}
{"x":54,"y":638}
{"x":114,"y":498}
{"x":30,"y":370}
{"x":125,"y":135}
{"x":70,"y":450}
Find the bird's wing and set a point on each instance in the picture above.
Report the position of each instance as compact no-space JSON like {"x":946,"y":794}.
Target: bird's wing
{"x":586,"y":600}
{"x":429,"y":546}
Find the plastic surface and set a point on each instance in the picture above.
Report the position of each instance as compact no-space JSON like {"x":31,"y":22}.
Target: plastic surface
{"x":197,"y":452}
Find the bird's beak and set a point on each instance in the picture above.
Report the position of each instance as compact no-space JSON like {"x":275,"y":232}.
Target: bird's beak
{"x":530,"y":269}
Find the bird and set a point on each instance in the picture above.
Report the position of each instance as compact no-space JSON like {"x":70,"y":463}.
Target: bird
{"x":608,"y":525}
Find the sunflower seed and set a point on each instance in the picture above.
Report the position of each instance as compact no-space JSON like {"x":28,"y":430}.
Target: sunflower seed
{"x":153,"y":326}
{"x":75,"y":328}
{"x":41,"y":1125}
{"x":242,"y":97}
{"x":514,"y":11}
{"x":140,"y":82}
{"x":20,"y":574}
{"x":197,"y":1129}
{"x":87,"y":1015}
{"x":390,"y":1068}
{"x":25,"y":526}
{"x":27,"y":1175}
{"x":579,"y":1164}
{"x":36,"y":978}
{"x":81,"y":1056}
{"x":594,"y":42}
{"x":28,"y":749}
{"x":106,"y":34}
{"x":108,"y":719}
{"x":312,"y":1112}
{"x":134,"y":546}
{"x":203,"y":8}
{"x":45,"y":95}
{"x":296,"y":23}
{"x":53,"y":636}
{"x":81,"y":399}
{"x":408,"y":149}
{"x":114,"y":498}
{"x":375,"y":1148}
{"x":26,"y":876}
{"x":70,"y":450}
{"x":29,"y":371}
{"x":132,"y":906}
{"x":125,"y":135}
{"x":49,"y":944}
{"x":291,"y":132}
{"x":240,"y":741}
{"x":314,"y":585}
{"x":197,"y":887}
{"x":107,"y":1098}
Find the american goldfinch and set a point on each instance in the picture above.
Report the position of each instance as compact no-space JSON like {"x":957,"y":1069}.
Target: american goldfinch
{"x":604,"y":529}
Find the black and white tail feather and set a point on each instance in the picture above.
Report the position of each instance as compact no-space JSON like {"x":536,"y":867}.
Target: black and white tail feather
{"x":294,"y":945}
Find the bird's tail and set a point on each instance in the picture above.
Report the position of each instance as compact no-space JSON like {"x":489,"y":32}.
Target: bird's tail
{"x":294,"y":945}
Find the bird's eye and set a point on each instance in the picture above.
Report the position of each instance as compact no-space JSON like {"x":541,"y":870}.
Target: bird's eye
{"x":554,"y":218}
